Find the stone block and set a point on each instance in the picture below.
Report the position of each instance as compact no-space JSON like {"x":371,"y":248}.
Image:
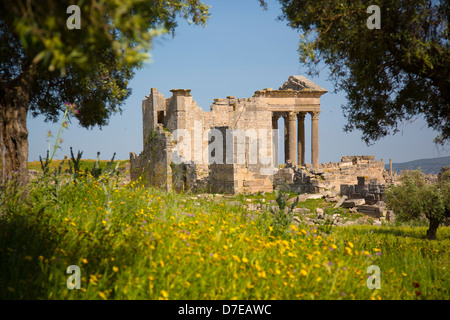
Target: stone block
{"x":347,"y":189}
{"x":314,"y":196}
{"x":340,"y":202}
{"x":345,"y":164}
{"x":361,"y":180}
{"x":350,"y":203}
{"x":370,"y":197}
{"x":361,"y":189}
{"x":319,"y":213}
{"x":371,"y":210}
{"x":252,"y":183}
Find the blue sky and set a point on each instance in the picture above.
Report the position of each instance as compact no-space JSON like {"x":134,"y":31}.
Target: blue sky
{"x":242,"y":49}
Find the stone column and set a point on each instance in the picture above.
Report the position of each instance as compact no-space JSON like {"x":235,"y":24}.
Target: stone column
{"x":301,"y":138}
{"x":315,"y":138}
{"x":275,"y":140}
{"x":286,"y":138}
{"x":292,"y":118}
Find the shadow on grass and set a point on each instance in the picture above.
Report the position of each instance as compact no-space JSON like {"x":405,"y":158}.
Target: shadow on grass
{"x":23,"y":238}
{"x":443,"y":233}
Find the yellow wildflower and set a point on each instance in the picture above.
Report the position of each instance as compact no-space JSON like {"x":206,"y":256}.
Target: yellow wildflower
{"x":102,"y":295}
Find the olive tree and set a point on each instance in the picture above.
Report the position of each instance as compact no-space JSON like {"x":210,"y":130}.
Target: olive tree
{"x":84,"y":52}
{"x":415,"y":197}
{"x":393,"y":70}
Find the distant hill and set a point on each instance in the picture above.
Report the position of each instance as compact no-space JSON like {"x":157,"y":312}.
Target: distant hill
{"x":428,"y":166}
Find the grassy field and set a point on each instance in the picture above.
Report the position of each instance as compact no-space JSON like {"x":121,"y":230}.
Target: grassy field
{"x":132,"y":242}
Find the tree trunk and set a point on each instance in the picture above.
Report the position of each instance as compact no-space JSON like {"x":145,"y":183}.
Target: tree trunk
{"x":14,"y":102}
{"x":431,"y":232}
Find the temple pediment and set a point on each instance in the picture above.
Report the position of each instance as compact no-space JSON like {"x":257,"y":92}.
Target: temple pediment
{"x":295,"y":86}
{"x":300,"y":83}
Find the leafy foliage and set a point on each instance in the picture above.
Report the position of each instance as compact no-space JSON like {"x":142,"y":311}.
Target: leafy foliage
{"x":415,"y":198}
{"x":390,"y":75}
{"x":75,"y":162}
{"x":282,"y":218}
{"x":123,"y":28}
{"x":43,"y":63}
{"x":90,"y":66}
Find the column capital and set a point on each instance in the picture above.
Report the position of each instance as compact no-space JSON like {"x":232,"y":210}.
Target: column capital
{"x":314,"y":114}
{"x":292,"y":115}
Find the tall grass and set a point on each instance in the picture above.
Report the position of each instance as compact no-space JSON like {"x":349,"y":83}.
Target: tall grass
{"x":132,"y":242}
{"x":411,"y":266}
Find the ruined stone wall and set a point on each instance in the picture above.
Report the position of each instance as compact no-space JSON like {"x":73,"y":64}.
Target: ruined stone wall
{"x":152,"y":107}
{"x":371,"y":191}
{"x":330,"y":176}
{"x":221,"y":178}
{"x":239,"y":169}
{"x":186,"y":157}
{"x":249,"y":167}
{"x":248,"y":156}
{"x":153,"y":164}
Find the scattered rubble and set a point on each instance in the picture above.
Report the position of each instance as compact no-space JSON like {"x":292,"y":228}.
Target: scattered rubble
{"x":351,"y":203}
{"x":319,"y":212}
{"x":340,"y":202}
{"x":371,"y":214}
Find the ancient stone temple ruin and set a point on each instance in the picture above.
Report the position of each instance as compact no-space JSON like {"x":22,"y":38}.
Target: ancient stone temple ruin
{"x":233,"y":148}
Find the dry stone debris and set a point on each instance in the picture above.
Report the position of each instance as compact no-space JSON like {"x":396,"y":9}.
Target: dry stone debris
{"x":350,"y":203}
{"x":340,"y":202}
{"x":319,"y":213}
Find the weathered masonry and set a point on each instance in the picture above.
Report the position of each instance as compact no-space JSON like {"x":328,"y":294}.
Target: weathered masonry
{"x":234,"y":147}
{"x":293,"y":101}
